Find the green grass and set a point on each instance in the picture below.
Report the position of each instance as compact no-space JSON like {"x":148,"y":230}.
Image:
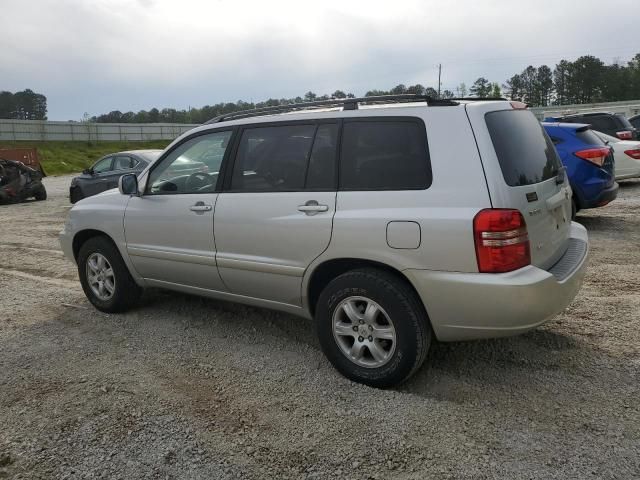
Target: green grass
{"x":59,"y":158}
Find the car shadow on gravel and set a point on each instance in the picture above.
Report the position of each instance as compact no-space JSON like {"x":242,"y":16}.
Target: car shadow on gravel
{"x":228,"y":315}
{"x":629,"y":184}
{"x":461,"y":372}
{"x":458,"y":372}
{"x":604,"y":224}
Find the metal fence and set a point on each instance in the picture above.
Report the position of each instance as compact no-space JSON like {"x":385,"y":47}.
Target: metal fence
{"x":36,"y":130}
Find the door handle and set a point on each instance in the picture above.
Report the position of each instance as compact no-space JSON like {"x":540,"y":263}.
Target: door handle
{"x":312,"y":207}
{"x":200,"y":207}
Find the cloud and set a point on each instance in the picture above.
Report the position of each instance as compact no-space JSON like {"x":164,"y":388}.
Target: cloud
{"x":131,"y":54}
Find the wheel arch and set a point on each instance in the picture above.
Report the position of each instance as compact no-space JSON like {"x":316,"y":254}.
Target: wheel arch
{"x":577,"y":195}
{"x":81,"y":237}
{"x":326,"y":271}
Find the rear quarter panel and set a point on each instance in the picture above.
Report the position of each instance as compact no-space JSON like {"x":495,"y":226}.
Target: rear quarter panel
{"x":444,"y":211}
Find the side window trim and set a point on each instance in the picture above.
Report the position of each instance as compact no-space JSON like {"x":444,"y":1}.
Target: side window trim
{"x":161,"y":159}
{"x":308,"y":159}
{"x":334,"y":184}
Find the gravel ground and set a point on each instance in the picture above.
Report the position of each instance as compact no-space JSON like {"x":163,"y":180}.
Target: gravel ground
{"x":184,"y":387}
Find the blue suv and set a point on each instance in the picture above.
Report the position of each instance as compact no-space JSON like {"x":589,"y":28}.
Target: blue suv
{"x":589,"y":164}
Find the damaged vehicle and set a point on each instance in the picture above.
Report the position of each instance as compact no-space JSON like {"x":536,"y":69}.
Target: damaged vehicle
{"x":19,"y":182}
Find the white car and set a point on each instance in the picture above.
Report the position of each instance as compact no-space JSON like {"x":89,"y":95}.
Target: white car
{"x":626,"y":154}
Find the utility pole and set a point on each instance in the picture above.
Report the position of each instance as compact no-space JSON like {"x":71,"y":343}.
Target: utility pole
{"x":439,"y":73}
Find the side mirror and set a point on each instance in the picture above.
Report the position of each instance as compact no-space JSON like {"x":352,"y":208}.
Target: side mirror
{"x":128,"y":184}
{"x":87,"y":171}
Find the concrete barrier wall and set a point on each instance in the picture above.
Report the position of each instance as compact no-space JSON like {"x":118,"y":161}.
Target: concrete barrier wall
{"x":628,"y":108}
{"x":36,"y":130}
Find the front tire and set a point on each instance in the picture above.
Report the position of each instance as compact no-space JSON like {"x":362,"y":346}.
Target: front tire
{"x":372,"y":327}
{"x":75,"y":195}
{"x":41,"y":194}
{"x":105,"y":279}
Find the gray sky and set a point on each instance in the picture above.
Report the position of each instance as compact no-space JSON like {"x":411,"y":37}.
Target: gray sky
{"x":100,"y":55}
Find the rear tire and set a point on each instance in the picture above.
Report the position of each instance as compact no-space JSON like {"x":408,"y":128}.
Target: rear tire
{"x":105,"y":278}
{"x":382,"y":348}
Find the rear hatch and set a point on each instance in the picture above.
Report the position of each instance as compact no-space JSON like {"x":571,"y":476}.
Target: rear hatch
{"x":524,"y":172}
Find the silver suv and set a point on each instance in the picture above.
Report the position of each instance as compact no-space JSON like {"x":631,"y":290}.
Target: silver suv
{"x":390,"y":221}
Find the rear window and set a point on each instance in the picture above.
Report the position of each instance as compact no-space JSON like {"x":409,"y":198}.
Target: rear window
{"x":625,"y":122}
{"x":525,"y":151}
{"x":384,"y":155}
{"x":590,"y":138}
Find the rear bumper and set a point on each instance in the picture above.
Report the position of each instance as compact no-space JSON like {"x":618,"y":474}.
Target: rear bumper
{"x":605,"y":196}
{"x":467,"y":306}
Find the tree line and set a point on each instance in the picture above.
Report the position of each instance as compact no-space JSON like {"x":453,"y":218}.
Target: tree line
{"x":585,"y":80}
{"x":25,"y":105}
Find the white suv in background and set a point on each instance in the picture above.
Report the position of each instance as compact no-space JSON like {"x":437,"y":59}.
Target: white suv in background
{"x":391,"y":221}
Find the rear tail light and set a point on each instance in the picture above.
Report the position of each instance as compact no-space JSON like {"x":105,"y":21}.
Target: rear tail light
{"x":624,"y":135}
{"x":596,"y":156}
{"x":502,"y":242}
{"x":635,"y":153}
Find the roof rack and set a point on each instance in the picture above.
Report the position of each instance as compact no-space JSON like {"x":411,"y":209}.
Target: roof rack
{"x":478,"y":99}
{"x":345,"y":103}
{"x":588,"y":114}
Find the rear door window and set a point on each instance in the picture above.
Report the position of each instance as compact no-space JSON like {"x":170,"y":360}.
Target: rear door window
{"x":322,"y":163}
{"x":525,"y":152}
{"x":272,"y":159}
{"x":384,"y":155}
{"x":122,"y":162}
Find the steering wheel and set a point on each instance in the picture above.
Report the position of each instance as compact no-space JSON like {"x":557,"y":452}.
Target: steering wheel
{"x":197,"y":181}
